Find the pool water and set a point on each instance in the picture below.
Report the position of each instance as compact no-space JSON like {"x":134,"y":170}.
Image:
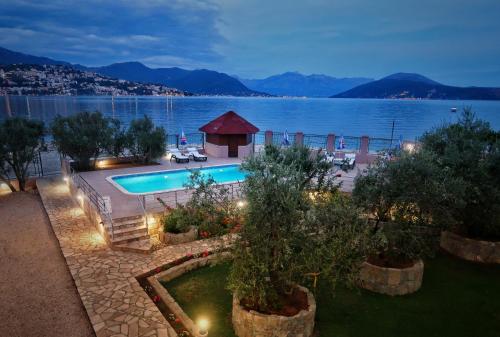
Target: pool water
{"x":163,"y":181}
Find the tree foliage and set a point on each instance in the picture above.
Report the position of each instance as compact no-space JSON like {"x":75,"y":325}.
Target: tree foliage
{"x":82,"y":137}
{"x":297,"y":228}
{"x":470,"y":150}
{"x":145,"y":141}
{"x":408,"y":197}
{"x":19,"y":140}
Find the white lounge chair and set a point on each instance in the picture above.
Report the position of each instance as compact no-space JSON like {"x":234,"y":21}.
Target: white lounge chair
{"x":193,"y":152}
{"x":178,"y":156}
{"x":349,"y":160}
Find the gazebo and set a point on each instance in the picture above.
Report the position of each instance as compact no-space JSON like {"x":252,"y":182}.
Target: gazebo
{"x":229,"y":135}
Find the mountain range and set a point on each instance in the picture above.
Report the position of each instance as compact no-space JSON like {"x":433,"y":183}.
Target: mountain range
{"x":209,"y":82}
{"x":296,"y":84}
{"x":415,"y":86}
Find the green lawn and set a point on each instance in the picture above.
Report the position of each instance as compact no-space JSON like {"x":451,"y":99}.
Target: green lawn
{"x":456,"y":299}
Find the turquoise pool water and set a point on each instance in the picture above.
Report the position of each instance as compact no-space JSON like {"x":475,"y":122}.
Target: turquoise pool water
{"x":175,"y":179}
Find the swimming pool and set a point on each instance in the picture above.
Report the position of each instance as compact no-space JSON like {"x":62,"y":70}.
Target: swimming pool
{"x":164,"y":181}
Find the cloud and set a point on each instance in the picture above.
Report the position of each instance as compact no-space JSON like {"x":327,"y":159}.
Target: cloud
{"x":100,"y":32}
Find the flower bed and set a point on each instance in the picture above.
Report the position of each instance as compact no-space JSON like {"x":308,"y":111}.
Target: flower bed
{"x":392,"y":281}
{"x":470,"y":249}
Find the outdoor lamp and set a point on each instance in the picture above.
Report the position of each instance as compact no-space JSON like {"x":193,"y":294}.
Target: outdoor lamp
{"x":203,"y":327}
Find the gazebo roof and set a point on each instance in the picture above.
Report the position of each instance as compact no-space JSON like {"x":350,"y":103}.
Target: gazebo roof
{"x":229,"y":123}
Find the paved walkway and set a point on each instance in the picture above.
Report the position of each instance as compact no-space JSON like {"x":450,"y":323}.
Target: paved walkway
{"x":37,"y":294}
{"x":105,"y":279}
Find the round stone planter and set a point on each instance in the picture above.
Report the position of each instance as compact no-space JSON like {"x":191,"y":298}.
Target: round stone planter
{"x":174,"y":239}
{"x":470,"y":249}
{"x":392,"y":281}
{"x":254,"y":324}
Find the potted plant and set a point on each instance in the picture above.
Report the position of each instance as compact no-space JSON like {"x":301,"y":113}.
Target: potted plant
{"x":408,"y":203}
{"x":297,"y":229}
{"x":179,"y":226}
{"x":470,"y":151}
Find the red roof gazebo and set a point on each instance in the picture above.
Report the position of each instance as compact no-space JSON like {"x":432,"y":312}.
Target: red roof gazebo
{"x":229,"y":135}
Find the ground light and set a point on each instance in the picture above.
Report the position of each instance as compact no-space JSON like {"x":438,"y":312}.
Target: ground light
{"x":203,"y":327}
{"x":241,"y":204}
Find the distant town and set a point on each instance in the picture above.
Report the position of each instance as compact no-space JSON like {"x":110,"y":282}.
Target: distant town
{"x":24,"y":79}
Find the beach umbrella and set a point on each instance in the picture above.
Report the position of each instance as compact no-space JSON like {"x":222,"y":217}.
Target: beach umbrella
{"x":341,"y":143}
{"x":285,"y":141}
{"x":183,"y":138}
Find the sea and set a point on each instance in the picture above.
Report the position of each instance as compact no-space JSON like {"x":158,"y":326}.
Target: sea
{"x":318,"y":116}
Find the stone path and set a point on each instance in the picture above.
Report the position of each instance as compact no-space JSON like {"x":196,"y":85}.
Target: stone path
{"x":106,"y":279}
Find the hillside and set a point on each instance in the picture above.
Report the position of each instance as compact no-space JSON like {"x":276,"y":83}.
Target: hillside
{"x":201,"y":82}
{"x":415,"y":86}
{"x":296,"y":84}
{"x":33,"y":79}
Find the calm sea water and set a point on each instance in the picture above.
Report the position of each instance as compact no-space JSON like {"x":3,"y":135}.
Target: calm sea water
{"x":353,"y":117}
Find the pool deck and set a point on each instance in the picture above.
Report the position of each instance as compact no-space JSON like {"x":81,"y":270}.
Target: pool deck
{"x":125,"y":205}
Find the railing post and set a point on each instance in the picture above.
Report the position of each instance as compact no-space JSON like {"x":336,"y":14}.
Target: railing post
{"x":268,"y":137}
{"x":299,"y":138}
{"x":330,"y":143}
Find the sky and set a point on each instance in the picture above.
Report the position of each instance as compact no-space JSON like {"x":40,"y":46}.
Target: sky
{"x":455,"y":42}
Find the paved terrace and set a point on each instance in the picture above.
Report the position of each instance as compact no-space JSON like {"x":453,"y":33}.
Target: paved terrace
{"x":106,"y":279}
{"x":124,"y":205}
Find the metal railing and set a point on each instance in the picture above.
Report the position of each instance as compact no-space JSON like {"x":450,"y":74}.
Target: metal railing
{"x":95,"y":198}
{"x":158,"y":202}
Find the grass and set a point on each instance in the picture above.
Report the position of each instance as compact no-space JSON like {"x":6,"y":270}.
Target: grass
{"x":457,"y":298}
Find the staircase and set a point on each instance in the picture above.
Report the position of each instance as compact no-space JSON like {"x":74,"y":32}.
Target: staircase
{"x":130,"y":234}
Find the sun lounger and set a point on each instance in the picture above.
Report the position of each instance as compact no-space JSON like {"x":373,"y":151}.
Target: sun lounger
{"x":193,"y":152}
{"x":178,"y":156}
{"x":348,"y":160}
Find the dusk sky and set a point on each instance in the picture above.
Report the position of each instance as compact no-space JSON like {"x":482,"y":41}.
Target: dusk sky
{"x":452,"y":41}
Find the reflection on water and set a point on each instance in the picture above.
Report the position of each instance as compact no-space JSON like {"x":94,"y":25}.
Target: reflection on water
{"x":314,"y":115}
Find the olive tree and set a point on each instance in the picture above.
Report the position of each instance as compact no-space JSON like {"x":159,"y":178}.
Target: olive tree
{"x":409,"y":199}
{"x":19,"y":141}
{"x":82,"y":137}
{"x":297,"y":228}
{"x":146,"y":142}
{"x":470,"y":150}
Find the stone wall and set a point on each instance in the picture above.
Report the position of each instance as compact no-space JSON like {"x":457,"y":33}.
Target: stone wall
{"x":218,"y":151}
{"x":392,"y":281}
{"x":175,"y":239}
{"x":253,"y":324}
{"x":245,"y":150}
{"x":469,"y":249}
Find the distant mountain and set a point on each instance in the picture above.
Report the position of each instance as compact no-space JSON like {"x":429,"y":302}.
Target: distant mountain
{"x":10,"y":57}
{"x":296,"y":84}
{"x":415,"y":86}
{"x":202,"y":82}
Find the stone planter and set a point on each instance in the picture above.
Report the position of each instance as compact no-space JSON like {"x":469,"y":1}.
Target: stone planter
{"x":470,"y":249}
{"x":392,"y":281}
{"x":254,"y":324}
{"x":175,"y":239}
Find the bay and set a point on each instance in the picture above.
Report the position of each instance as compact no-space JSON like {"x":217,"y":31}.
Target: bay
{"x":349,"y":117}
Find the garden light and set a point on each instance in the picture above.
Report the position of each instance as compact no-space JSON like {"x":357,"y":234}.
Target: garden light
{"x":241,"y":204}
{"x":203,"y":327}
{"x":66,"y":179}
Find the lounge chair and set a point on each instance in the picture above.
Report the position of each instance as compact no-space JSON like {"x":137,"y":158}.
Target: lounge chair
{"x":178,"y":156}
{"x":193,"y":152}
{"x":330,"y":157}
{"x":348,"y":161}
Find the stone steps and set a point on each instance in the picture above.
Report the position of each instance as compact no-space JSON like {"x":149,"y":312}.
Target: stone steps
{"x":143,"y":246}
{"x":130,"y":234}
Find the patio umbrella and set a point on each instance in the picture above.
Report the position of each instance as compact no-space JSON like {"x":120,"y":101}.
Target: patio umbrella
{"x":341,"y":143}
{"x":183,"y":138}
{"x":285,"y":141}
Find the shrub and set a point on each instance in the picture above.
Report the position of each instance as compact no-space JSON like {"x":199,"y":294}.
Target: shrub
{"x":470,"y":150}
{"x":178,"y":220}
{"x":119,"y":141}
{"x":146,"y":142}
{"x":19,"y":140}
{"x":295,"y":229}
{"x":82,"y":137}
{"x":410,"y":200}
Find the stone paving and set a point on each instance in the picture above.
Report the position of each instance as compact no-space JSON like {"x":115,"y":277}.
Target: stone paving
{"x":106,"y":279}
